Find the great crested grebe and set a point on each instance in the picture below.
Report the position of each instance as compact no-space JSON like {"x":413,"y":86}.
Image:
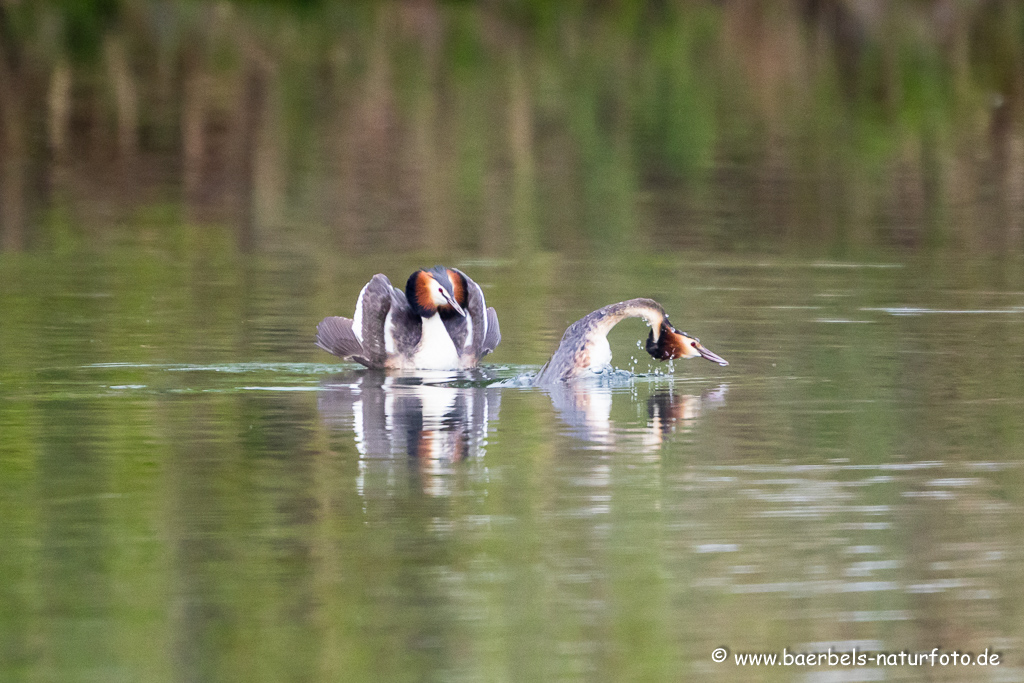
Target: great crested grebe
{"x":584,"y":347}
{"x":440,"y":322}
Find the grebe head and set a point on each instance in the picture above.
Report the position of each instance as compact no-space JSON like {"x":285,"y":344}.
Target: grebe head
{"x":671,"y":344}
{"x":430,"y":290}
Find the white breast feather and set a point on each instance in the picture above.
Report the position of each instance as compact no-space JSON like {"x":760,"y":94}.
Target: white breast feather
{"x":357,"y":319}
{"x":389,"y":334}
{"x":600,"y":352}
{"x":436,"y":350}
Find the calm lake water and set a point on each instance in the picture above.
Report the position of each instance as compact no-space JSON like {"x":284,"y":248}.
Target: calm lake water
{"x":193,"y":491}
{"x":829,"y":194}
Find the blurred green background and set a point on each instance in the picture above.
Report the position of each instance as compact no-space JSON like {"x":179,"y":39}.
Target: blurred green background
{"x":514,"y":127}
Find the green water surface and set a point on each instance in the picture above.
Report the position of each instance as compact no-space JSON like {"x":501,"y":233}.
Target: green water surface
{"x":193,"y":491}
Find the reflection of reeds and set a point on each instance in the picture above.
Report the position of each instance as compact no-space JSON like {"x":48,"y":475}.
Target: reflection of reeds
{"x":490,"y":128}
{"x":12,"y":154}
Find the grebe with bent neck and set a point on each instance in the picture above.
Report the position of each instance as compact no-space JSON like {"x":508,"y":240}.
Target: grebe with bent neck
{"x":584,"y":348}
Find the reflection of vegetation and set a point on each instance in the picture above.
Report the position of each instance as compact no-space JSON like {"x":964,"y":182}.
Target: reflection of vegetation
{"x":522,"y":124}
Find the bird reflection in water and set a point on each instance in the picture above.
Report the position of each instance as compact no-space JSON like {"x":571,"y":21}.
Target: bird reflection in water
{"x":425,"y":424}
{"x":586,"y":409}
{"x":420,"y":421}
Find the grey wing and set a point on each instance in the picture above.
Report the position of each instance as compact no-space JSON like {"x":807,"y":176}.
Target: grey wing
{"x":334,"y":334}
{"x":492,"y":336}
{"x":362,"y":338}
{"x":404,"y":326}
{"x":483,"y":322}
{"x":375,"y":301}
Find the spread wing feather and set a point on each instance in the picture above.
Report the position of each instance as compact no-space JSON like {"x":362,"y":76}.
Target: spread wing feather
{"x":492,"y":337}
{"x":362,"y":339}
{"x":334,"y":334}
{"x":375,"y":302}
{"x":476,"y":310}
{"x":480,"y":324}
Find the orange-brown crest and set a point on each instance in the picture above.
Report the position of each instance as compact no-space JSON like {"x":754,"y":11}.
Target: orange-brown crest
{"x":459,"y":292}
{"x":423,"y":295}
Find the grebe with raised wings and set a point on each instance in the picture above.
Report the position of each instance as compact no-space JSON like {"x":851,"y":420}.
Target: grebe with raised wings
{"x":584,"y":347}
{"x":440,"y":322}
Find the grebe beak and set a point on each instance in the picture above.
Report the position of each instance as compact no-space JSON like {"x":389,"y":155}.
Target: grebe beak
{"x":452,"y":302}
{"x":711,"y":356}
